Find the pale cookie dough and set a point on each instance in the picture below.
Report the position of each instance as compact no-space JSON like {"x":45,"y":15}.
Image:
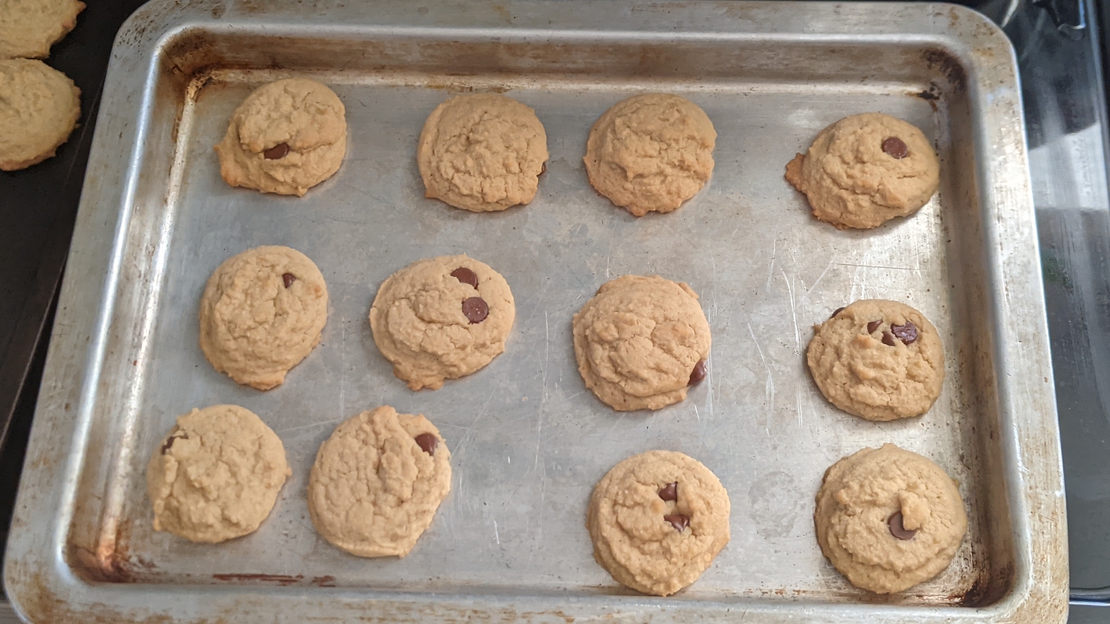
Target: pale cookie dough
{"x":39,"y":107}
{"x":285,"y":138}
{"x":651,"y":152}
{"x":866,"y":169}
{"x":879,"y":360}
{"x":29,"y":27}
{"x":216,"y":475}
{"x":657,"y":520}
{"x":378,"y":481}
{"x":261,"y":314}
{"x":442,"y":318}
{"x":482,"y":152}
{"x":889,"y":519}
{"x":641,"y":342}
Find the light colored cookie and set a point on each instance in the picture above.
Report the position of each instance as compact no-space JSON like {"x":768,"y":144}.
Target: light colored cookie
{"x":261,"y":314}
{"x":39,"y":107}
{"x":29,"y":27}
{"x":651,"y":152}
{"x":877,"y":359}
{"x":442,"y":318}
{"x":657,"y":521}
{"x":378,"y":481}
{"x":482,"y":152}
{"x":216,"y":475}
{"x":641,"y":342}
{"x":889,"y":519}
{"x":866,"y":169}
{"x":285,"y":138}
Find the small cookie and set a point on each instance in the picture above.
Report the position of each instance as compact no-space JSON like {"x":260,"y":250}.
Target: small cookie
{"x":442,"y":318}
{"x":877,"y":359}
{"x":657,"y":520}
{"x":39,"y":107}
{"x":216,"y":475}
{"x":482,"y":152}
{"x":641,"y":342}
{"x":29,"y":27}
{"x":889,"y":519}
{"x":866,"y":169}
{"x":285,"y":138}
{"x":261,"y":314}
{"x":378,"y":481}
{"x":651,"y":152}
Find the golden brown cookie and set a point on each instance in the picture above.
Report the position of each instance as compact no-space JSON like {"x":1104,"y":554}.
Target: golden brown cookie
{"x":889,"y":519}
{"x":657,"y":521}
{"x":29,"y":27}
{"x":651,"y":152}
{"x":866,"y":169}
{"x":39,"y":107}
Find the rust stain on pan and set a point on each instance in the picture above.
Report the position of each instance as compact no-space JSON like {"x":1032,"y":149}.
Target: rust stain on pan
{"x":280,"y":579}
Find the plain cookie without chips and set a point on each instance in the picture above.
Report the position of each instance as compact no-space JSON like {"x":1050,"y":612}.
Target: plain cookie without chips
{"x":442,"y":318}
{"x":879,"y":360}
{"x":482,"y":152}
{"x":39,"y":108}
{"x":866,"y":169}
{"x":29,"y":27}
{"x":657,"y":521}
{"x":216,"y":475}
{"x":889,"y":518}
{"x":378,"y":481}
{"x":261,"y":314}
{"x":285,"y":138}
{"x":640,"y":342}
{"x":651,"y":152}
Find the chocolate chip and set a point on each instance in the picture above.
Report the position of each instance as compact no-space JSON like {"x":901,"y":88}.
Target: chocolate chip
{"x":896,"y":528}
{"x":872,"y":326}
{"x":276,"y":152}
{"x":836,"y":311}
{"x":169,"y":442}
{"x":288,"y":279}
{"x":906,"y":333}
{"x":896,"y":148}
{"x":669,"y":492}
{"x":475,"y":309}
{"x":698,"y":374}
{"x":678,"y":521}
{"x":428,"y":443}
{"x":888,"y":340}
{"x":465,"y":276}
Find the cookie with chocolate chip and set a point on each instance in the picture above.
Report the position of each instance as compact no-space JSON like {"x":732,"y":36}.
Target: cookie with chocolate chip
{"x":378,"y":481}
{"x":442,"y":318}
{"x":865,"y":170}
{"x":877,"y":359}
{"x":889,"y":518}
{"x":657,"y":521}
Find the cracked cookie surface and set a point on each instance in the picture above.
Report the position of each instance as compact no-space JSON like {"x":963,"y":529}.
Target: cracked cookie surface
{"x":262,"y":312}
{"x":378,"y":481}
{"x":442,"y":318}
{"x":657,"y":521}
{"x":29,"y":27}
{"x":39,"y":108}
{"x":216,"y":475}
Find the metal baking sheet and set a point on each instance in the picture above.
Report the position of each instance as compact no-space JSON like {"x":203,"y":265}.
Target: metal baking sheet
{"x":528,"y":441}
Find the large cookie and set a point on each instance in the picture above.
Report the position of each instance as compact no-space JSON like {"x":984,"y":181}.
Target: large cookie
{"x":641,"y":342}
{"x":889,"y":519}
{"x":39,"y":107}
{"x":261,"y":314}
{"x":651,"y":152}
{"x":442,"y":318}
{"x":29,"y":27}
{"x":216,"y":475}
{"x":285,"y":138}
{"x":866,"y":169}
{"x":657,"y":520}
{"x":482,"y":152}
{"x":378,"y":481}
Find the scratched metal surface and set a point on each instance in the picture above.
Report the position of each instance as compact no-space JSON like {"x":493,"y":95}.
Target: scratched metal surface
{"x":528,"y":441}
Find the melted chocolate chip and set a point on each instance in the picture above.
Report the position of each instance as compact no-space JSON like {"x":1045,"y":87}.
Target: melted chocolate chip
{"x":288,"y":279}
{"x":276,"y":152}
{"x":698,"y":374}
{"x":836,"y":311}
{"x":872,"y":326}
{"x":466,"y":276}
{"x":896,"y":148}
{"x":906,"y":333}
{"x":169,"y":442}
{"x":896,"y":528}
{"x":888,"y":340}
{"x":669,"y":492}
{"x":427,"y":443}
{"x":678,"y":521}
{"x":475,"y":309}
